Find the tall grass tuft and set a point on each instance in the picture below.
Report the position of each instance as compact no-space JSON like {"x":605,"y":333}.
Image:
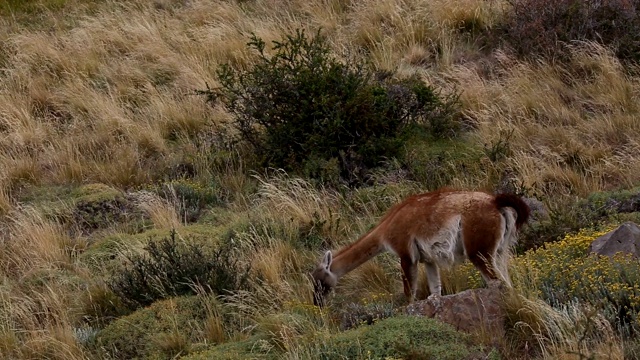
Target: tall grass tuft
{"x":36,"y":242}
{"x":302,"y":212}
{"x":163,"y":213}
{"x":39,"y":322}
{"x":571,"y":331}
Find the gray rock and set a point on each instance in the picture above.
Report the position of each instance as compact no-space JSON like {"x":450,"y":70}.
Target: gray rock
{"x":538,"y":210}
{"x":629,"y":205}
{"x":626,"y":239}
{"x":469,"y":311}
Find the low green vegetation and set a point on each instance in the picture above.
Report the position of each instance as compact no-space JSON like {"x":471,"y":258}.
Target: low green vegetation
{"x":399,"y":337}
{"x":163,"y":330}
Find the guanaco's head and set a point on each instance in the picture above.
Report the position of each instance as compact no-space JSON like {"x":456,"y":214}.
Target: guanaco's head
{"x":323,"y":279}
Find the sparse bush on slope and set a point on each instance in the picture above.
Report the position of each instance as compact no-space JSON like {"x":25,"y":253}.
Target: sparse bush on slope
{"x":305,"y":111}
{"x":172,"y":268}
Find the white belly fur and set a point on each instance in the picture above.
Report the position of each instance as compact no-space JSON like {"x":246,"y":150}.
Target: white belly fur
{"x":445,"y":248}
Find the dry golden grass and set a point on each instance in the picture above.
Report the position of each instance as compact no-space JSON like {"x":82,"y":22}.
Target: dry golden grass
{"x":34,"y":242}
{"x":232,"y":175}
{"x":214,"y":323}
{"x":119,"y":87}
{"x":272,"y":263}
{"x":115,"y":89}
{"x":163,"y":213}
{"x":573,"y":126}
{"x":39,"y":307}
{"x":298,"y":203}
{"x":381,"y":276}
{"x":6,"y":205}
{"x":39,"y":322}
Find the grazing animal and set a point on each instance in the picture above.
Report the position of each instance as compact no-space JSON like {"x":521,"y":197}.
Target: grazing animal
{"x":439,"y":229}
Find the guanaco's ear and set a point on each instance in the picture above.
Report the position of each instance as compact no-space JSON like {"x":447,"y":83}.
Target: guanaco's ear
{"x":326,"y":261}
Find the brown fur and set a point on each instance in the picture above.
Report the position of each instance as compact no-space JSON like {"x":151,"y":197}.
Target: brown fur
{"x":439,"y":229}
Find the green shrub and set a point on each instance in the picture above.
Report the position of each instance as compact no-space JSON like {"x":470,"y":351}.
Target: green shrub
{"x":172,"y":268}
{"x":369,"y":313}
{"x":302,"y":109}
{"x":542,"y":26}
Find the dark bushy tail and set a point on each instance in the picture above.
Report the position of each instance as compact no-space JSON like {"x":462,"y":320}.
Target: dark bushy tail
{"x":515,"y":202}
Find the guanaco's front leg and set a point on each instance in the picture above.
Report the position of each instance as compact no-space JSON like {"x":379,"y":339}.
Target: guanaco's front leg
{"x":433,"y":278}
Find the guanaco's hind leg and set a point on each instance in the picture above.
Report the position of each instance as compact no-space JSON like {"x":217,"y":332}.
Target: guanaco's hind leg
{"x":493,"y":267}
{"x":410,"y":277}
{"x":433,"y":278}
{"x":486,"y":266}
{"x":501,"y":264}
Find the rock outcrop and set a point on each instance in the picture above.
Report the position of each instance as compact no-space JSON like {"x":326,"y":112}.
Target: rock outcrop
{"x":469,"y":311}
{"x":625,"y":239}
{"x":538,"y":210}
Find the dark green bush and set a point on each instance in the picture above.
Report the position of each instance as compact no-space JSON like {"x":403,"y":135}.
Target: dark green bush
{"x":172,"y":268}
{"x":542,"y":26}
{"x":369,"y":313}
{"x":305,"y":111}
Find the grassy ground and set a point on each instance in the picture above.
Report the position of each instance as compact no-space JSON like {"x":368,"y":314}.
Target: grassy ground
{"x":104,"y":144}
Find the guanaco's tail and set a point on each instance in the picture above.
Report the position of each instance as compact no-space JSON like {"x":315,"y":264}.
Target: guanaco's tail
{"x":515,"y":202}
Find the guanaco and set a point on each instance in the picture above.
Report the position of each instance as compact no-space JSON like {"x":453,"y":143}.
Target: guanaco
{"x":439,"y":229}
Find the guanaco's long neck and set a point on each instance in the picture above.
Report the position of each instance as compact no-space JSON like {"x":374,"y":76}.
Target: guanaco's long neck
{"x":356,"y":254}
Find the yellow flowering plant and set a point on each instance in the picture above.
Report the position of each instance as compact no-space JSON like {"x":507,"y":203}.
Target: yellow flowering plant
{"x":564,"y":271}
